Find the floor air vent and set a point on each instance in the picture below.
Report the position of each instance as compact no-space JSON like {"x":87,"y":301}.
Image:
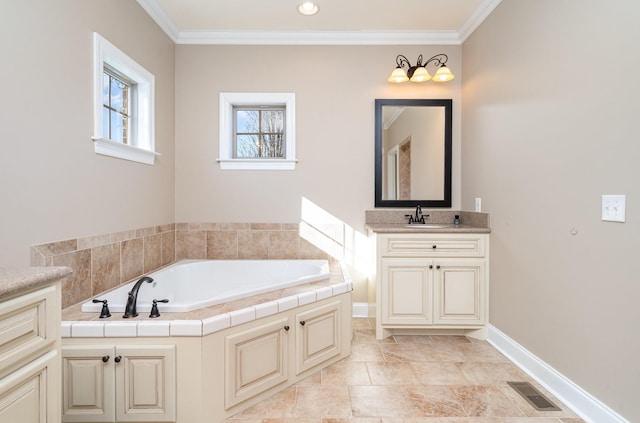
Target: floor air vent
{"x":533,"y":396}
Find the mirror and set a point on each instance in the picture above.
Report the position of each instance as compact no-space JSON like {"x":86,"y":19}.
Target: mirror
{"x":413,"y":153}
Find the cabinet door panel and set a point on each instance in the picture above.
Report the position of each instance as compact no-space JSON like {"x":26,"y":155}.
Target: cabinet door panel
{"x":23,"y":394}
{"x":257,"y":361}
{"x":459,"y":292}
{"x":146,"y":384}
{"x":406,"y":292}
{"x":88,"y":384}
{"x":319,"y":338}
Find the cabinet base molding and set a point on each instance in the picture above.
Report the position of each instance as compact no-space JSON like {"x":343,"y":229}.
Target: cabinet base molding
{"x":479,"y":333}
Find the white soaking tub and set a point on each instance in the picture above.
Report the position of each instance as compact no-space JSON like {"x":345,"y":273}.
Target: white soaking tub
{"x":193,"y":284}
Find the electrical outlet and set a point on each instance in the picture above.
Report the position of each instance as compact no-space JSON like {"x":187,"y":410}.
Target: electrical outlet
{"x":613,"y":208}
{"x":478,"y":204}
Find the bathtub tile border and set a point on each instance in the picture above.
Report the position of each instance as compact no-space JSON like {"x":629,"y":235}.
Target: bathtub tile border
{"x":185,"y":328}
{"x":65,"y":329}
{"x":324,"y":292}
{"x":148,"y":328}
{"x":266,"y":309}
{"x":120,"y":329}
{"x":216,"y":323}
{"x":339,"y":288}
{"x":243,"y":315}
{"x":287,"y":303}
{"x":307,"y":297}
{"x":87,"y":330}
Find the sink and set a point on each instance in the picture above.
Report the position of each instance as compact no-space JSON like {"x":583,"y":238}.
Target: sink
{"x":425,"y":226}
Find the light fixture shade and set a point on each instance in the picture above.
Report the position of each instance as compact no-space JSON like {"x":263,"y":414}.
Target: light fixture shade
{"x":443,"y":75}
{"x":420,"y":75}
{"x":398,"y":75}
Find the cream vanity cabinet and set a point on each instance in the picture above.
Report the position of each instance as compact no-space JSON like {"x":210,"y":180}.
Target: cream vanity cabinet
{"x":29,"y":356}
{"x":119,"y":383}
{"x":432,"y":281}
{"x":279,"y":349}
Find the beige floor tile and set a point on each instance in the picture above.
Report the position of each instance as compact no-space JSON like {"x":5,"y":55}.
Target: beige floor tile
{"x":438,"y":373}
{"x":479,"y":373}
{"x":346,"y":373}
{"x":280,"y":405}
{"x":365,"y":352}
{"x":329,"y":401}
{"x":391,"y":374}
{"x":486,"y":401}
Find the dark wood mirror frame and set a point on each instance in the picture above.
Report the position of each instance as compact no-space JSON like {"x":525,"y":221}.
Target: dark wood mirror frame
{"x":379,"y":154}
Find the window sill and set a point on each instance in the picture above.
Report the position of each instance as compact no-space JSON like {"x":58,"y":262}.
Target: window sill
{"x":257,"y":164}
{"x":124,"y":151}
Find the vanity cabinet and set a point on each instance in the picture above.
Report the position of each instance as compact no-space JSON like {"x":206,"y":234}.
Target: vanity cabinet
{"x":279,"y":349}
{"x":432,"y":281}
{"x":119,"y":383}
{"x":29,"y":356}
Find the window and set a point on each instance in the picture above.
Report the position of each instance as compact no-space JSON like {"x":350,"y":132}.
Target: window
{"x":123,"y":105}
{"x":257,"y":131}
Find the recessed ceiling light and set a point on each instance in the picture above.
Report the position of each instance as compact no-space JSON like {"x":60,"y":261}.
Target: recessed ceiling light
{"x":308,"y":8}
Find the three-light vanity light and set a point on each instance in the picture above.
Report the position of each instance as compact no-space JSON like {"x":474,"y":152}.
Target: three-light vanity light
{"x":419,"y":73}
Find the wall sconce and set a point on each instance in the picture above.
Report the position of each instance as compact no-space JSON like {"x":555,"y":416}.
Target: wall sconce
{"x":418,"y":73}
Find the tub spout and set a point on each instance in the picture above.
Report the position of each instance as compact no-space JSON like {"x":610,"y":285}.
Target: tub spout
{"x":130,"y":308}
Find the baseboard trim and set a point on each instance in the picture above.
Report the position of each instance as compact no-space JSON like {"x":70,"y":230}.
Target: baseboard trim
{"x":360,"y":309}
{"x":580,"y":401}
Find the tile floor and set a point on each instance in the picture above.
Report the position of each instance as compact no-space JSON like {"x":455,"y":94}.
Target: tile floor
{"x":408,"y":379}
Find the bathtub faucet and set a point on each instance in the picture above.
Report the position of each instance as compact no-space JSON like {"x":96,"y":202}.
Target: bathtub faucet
{"x":130,"y":308}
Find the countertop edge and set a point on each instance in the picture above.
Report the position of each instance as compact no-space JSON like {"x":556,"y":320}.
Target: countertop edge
{"x":15,"y":280}
{"x":402,"y":228}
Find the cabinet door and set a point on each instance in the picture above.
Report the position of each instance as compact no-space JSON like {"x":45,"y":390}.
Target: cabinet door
{"x":25,"y":396}
{"x":146,"y":383}
{"x":406,"y":297}
{"x":459,"y":290}
{"x":88,"y":384}
{"x":256,"y":361}
{"x":318,"y":336}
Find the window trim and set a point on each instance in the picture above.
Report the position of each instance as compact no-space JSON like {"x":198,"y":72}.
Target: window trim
{"x":142,"y":109}
{"x":226,"y":141}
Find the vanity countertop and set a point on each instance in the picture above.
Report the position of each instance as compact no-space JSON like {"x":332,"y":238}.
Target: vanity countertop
{"x":422,"y":229}
{"x":14,"y":280}
{"x":437,"y":221}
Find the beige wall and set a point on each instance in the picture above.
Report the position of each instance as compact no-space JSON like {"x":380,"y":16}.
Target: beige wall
{"x":544,"y":136}
{"x":335,"y":89}
{"x":52,"y":184}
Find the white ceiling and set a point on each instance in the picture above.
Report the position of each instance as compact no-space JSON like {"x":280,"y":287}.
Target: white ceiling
{"x":348,"y":22}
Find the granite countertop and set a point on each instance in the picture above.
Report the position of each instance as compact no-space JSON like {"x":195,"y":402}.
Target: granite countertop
{"x":14,"y":280}
{"x":422,"y":229}
{"x":437,"y":221}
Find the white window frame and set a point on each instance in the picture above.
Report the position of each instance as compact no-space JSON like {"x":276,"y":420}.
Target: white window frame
{"x":226,"y":159}
{"x":141,"y":147}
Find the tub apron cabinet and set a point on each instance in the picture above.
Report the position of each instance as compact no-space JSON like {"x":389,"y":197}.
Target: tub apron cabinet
{"x":258,"y":357}
{"x":119,"y":383}
{"x":432,"y":283}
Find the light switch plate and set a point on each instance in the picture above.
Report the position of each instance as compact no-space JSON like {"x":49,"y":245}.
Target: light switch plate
{"x":613,"y":208}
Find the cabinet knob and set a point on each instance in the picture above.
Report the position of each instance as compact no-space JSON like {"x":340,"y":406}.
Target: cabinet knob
{"x":431,"y":266}
{"x":286,"y":327}
{"x":434,"y":246}
{"x":105,"y":358}
{"x":118,"y":358}
{"x":438,"y":267}
{"x":302,"y":323}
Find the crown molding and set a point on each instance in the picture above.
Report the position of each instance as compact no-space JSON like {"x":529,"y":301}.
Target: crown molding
{"x":484,"y":9}
{"x":293,"y":37}
{"x":319,"y":37}
{"x":161,"y":18}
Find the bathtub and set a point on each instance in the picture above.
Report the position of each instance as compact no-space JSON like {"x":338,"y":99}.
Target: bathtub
{"x":193,"y":284}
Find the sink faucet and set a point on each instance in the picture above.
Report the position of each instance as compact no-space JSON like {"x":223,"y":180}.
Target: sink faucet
{"x":130,"y":308}
{"x":418,"y":218}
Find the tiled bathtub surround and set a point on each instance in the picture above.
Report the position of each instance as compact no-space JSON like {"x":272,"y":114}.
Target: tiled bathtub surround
{"x":273,"y":241}
{"x":103,"y":262}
